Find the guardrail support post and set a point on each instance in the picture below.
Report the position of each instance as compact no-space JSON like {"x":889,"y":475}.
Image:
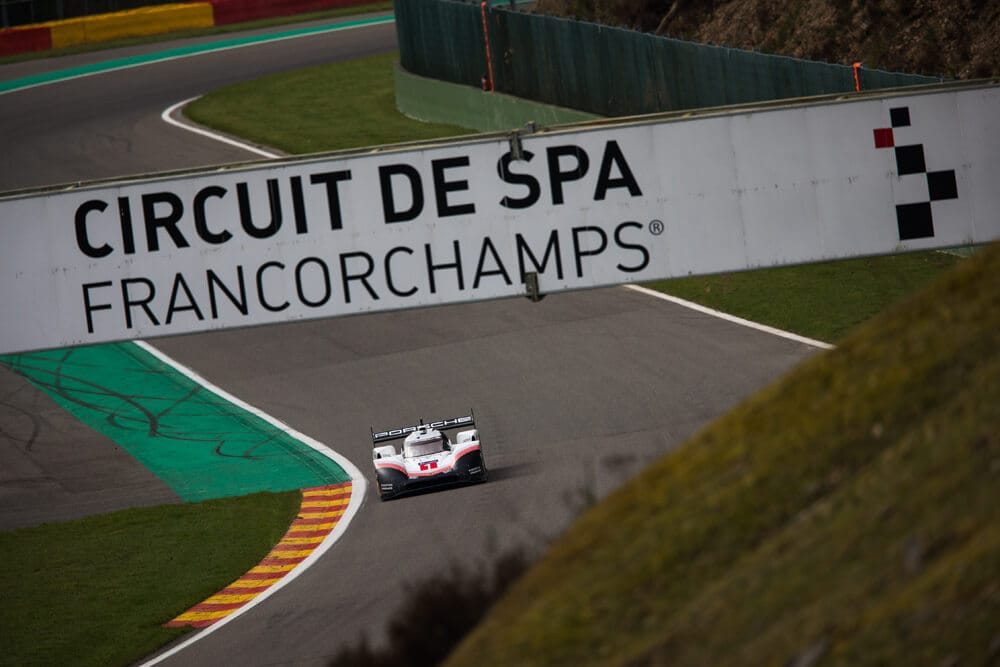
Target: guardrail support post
{"x":531,"y":287}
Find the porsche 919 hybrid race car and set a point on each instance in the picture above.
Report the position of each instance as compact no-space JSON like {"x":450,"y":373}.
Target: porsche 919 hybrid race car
{"x":427,"y":457}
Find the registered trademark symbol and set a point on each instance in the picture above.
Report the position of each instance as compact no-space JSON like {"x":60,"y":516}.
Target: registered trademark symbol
{"x":655,"y":227}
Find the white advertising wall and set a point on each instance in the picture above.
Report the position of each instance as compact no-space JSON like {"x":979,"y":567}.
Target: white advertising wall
{"x":463,"y":221}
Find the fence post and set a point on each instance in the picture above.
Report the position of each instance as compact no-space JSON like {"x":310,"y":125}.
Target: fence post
{"x":488,"y":84}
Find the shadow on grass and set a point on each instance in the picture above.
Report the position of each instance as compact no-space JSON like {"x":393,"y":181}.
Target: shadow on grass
{"x":437,"y":615}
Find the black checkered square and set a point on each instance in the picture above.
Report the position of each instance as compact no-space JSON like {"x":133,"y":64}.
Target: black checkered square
{"x":915,"y":221}
{"x":942,"y":185}
{"x":900,"y":116}
{"x":910,"y":159}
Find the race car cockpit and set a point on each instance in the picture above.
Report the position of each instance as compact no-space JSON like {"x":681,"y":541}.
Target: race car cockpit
{"x":414,"y":447}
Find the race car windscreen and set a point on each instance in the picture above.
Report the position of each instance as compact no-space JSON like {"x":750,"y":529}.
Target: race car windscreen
{"x":423,"y":447}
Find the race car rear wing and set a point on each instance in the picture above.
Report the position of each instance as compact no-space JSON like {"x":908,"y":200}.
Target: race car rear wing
{"x":396,"y":433}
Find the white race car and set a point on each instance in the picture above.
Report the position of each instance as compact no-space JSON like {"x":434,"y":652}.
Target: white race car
{"x":427,"y":457}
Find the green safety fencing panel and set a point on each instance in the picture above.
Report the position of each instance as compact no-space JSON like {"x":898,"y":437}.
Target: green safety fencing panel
{"x":605,"y":70}
{"x":441,"y":40}
{"x":200,"y":444}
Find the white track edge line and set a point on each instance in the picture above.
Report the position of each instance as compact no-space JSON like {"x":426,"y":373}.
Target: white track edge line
{"x":168,"y":118}
{"x":731,"y":318}
{"x":359,"y":488}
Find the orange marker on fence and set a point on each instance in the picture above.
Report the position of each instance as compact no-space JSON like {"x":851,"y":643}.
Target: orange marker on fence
{"x":857,"y":81}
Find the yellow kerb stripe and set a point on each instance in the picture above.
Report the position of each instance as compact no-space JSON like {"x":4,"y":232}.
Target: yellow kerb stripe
{"x":327,"y":492}
{"x":336,"y":502}
{"x":289,"y":554}
{"x":253,"y":583}
{"x":202,"y":615}
{"x":231,"y":599}
{"x":321,"y":515}
{"x":268,"y":569}
{"x":310,"y":528}
{"x":316,"y":541}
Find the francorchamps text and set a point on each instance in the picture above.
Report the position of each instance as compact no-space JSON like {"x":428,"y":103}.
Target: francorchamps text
{"x":348,"y":272}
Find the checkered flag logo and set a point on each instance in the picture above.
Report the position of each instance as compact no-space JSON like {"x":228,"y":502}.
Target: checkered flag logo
{"x":915,"y":220}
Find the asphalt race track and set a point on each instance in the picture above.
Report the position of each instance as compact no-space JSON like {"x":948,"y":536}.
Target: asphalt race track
{"x":109,"y":124}
{"x":572,"y":395}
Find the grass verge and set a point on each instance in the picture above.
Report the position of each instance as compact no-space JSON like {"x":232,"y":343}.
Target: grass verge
{"x":96,"y":591}
{"x":200,"y":32}
{"x":847,"y":512}
{"x":822,"y":301}
{"x":322,"y":108}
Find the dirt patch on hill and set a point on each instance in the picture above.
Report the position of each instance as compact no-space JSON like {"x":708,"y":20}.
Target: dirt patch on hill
{"x":953,"y":38}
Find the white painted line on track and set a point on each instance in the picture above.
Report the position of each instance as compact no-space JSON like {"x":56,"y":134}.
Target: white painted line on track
{"x":731,"y":318}
{"x":359,"y":488}
{"x":168,"y":117}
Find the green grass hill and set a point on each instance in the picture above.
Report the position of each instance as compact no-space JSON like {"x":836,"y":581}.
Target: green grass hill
{"x":847,"y":514}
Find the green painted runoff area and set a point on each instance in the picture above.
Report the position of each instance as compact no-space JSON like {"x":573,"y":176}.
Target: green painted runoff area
{"x":198,"y":443}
